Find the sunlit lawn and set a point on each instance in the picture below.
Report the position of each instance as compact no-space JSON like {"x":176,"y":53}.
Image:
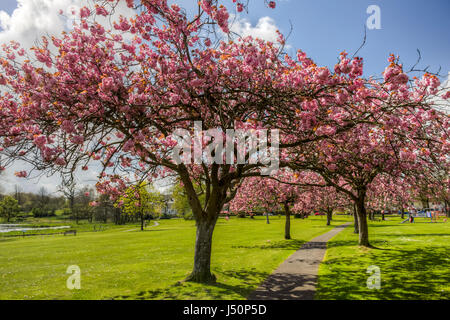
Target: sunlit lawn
{"x":414,"y":260}
{"x":118,"y":263}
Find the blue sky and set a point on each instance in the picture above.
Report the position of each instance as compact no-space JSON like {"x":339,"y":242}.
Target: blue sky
{"x":323,"y":28}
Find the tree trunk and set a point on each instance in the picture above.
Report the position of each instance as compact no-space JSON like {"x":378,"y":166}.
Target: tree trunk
{"x":425,"y":203}
{"x":447,"y":209}
{"x":355,"y":218}
{"x":142,"y":221}
{"x":116,"y":216}
{"x":71,"y":204}
{"x":267,"y":218}
{"x":403,"y":212}
{"x":329,"y":216}
{"x":362,"y":220}
{"x":202,"y":258}
{"x":287,"y":227}
{"x":205,"y":221}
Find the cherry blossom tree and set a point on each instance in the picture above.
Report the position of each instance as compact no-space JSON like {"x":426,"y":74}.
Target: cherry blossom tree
{"x":114,"y":96}
{"x":281,"y":191}
{"x":387,"y":192}
{"x":433,"y":183}
{"x":327,"y":199}
{"x":404,"y":135}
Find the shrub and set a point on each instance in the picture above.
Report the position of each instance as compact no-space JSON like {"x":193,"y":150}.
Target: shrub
{"x":42,"y":212}
{"x":188,"y":216}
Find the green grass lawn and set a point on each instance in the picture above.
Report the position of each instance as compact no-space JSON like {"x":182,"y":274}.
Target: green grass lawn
{"x":414,"y":261}
{"x":123,"y":264}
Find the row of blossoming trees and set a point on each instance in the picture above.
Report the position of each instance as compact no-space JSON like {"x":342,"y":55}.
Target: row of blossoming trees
{"x":113,"y":96}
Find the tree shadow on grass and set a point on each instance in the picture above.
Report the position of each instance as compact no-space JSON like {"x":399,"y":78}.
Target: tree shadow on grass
{"x":248,"y":281}
{"x":292,"y":244}
{"x":374,"y":244}
{"x":286,"y":286}
{"x":382,"y":225}
{"x":405,"y":275}
{"x":409,"y":235}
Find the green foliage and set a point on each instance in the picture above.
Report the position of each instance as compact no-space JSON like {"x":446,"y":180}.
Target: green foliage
{"x":142,"y":201}
{"x":181,"y":202}
{"x":40,"y":212}
{"x":81,"y":211}
{"x":28,"y":201}
{"x":9,"y":207}
{"x":189,"y":215}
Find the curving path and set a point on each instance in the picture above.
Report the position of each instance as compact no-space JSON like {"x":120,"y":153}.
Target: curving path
{"x":155,"y":224}
{"x":296,"y":277}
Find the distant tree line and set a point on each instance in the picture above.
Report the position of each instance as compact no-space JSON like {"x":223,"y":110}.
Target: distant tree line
{"x":20,"y":204}
{"x":78,"y":203}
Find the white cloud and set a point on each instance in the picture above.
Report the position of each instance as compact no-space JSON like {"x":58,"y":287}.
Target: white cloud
{"x":38,"y":180}
{"x":34,"y":18}
{"x":31,"y":20}
{"x":265,"y":28}
{"x":440,"y":103}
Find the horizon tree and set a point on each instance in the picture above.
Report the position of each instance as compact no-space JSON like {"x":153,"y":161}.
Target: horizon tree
{"x":9,"y":207}
{"x":140,"y":200}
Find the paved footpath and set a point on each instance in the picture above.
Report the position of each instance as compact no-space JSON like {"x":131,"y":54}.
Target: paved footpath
{"x":155,"y":224}
{"x":296,"y":277}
